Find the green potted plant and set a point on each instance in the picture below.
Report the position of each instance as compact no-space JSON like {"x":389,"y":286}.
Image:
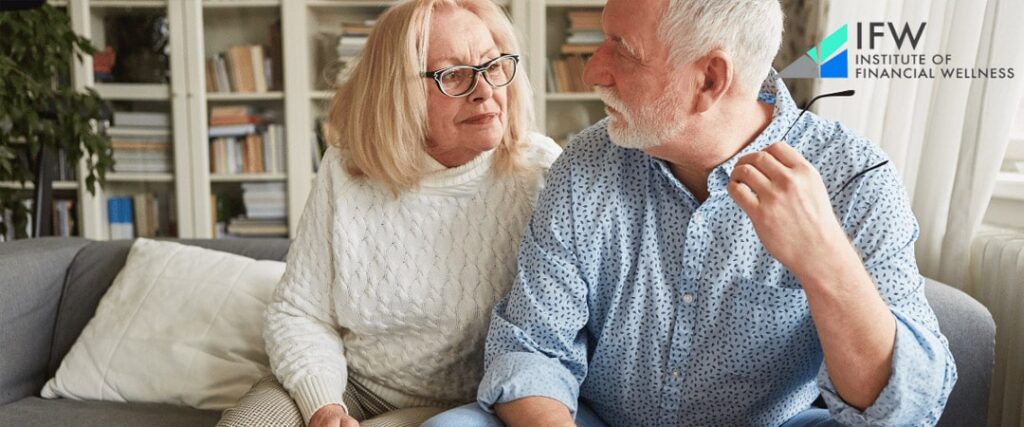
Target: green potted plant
{"x":37,"y":48}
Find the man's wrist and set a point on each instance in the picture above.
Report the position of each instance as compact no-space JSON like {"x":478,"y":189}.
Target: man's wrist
{"x":837,"y":262}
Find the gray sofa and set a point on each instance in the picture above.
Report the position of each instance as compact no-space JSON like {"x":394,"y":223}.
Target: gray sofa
{"x":49,"y":289}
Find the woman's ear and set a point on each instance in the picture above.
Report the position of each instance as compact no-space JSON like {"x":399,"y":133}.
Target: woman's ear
{"x":714,"y":79}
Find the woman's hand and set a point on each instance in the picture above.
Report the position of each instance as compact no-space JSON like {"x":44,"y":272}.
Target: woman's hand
{"x":332,"y":416}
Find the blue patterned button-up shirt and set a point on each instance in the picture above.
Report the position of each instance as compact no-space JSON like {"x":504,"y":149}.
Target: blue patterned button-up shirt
{"x":656,"y":310}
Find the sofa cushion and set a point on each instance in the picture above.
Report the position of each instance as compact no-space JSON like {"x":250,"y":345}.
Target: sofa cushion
{"x":33,"y":411}
{"x":94,"y":268}
{"x":31,"y":278}
{"x":971,"y":333}
{"x":180,"y":325}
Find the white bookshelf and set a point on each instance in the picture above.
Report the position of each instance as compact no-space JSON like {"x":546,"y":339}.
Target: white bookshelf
{"x":200,"y":28}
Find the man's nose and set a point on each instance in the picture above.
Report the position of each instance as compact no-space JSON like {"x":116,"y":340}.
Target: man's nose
{"x":595,"y":72}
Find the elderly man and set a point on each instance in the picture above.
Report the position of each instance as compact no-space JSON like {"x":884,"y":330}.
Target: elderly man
{"x":686,"y":265}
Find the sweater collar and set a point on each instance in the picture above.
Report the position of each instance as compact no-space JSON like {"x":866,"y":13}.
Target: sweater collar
{"x":440,"y":176}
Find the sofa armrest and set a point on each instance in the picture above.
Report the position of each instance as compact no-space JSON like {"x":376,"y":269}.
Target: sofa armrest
{"x":971,"y":333}
{"x":31,"y":282}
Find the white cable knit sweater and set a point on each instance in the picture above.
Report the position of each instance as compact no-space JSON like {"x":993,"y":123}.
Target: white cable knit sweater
{"x":398,"y":292}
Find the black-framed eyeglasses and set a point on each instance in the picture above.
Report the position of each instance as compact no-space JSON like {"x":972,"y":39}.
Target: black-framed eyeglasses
{"x":460,"y":80}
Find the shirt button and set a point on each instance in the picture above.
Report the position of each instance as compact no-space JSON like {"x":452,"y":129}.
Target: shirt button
{"x":675,"y":373}
{"x":688,"y":298}
{"x":698,"y":218}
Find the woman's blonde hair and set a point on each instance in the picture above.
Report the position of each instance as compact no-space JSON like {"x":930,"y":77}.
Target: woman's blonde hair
{"x":378,"y":117}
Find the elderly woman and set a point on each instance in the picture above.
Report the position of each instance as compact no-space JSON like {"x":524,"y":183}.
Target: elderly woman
{"x":410,"y":233}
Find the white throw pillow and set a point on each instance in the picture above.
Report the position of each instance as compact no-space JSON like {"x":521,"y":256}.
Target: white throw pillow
{"x":180,"y":325}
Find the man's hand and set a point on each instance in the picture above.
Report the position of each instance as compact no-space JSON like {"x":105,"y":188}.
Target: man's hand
{"x":787,"y":202}
{"x":332,"y":416}
{"x":789,"y":207}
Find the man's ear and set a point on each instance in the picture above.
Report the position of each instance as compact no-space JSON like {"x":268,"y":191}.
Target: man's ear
{"x":714,"y":79}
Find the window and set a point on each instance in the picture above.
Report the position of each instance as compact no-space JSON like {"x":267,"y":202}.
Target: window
{"x":1007,"y":203}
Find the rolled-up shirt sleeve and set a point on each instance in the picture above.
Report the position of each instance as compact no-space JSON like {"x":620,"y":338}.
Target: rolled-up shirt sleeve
{"x":537,"y":344}
{"x":883,"y":229}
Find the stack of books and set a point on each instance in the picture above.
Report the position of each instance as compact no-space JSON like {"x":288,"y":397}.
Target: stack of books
{"x":265,"y":211}
{"x":241,"y":143}
{"x":141,"y":142}
{"x":64,"y":215}
{"x":350,"y":45}
{"x":244,"y":68}
{"x":584,"y":36}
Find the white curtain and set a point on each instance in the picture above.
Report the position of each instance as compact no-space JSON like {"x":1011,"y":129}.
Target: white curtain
{"x":946,"y":136}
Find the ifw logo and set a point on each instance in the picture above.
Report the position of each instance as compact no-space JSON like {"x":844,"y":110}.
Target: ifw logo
{"x":822,"y":61}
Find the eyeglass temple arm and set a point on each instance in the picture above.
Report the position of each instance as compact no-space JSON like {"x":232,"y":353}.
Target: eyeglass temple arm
{"x":844,"y":93}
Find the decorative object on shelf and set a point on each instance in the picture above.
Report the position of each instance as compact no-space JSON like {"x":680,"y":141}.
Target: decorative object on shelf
{"x":142,"y":45}
{"x":36,"y":113}
{"x":103,"y":65}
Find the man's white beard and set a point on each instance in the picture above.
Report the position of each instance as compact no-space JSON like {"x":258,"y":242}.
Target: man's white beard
{"x":652,"y":126}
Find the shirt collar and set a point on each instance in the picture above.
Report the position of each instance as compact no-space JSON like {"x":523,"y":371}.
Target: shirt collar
{"x":774,"y":92}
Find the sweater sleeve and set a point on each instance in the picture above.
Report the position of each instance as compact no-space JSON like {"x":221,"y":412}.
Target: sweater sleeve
{"x":302,"y":339}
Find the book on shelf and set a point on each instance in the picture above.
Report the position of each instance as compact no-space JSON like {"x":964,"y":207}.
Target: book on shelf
{"x":275,"y":74}
{"x":242,"y":68}
{"x":242,"y":227}
{"x":63,"y":217}
{"x":142,"y":119}
{"x":141,"y":215}
{"x":242,"y":143}
{"x":228,"y":115}
{"x":147,"y":209}
{"x":120,"y":218}
{"x":358,"y":28}
{"x":567,"y":75}
{"x":589,"y":19}
{"x":265,"y":200}
{"x":232,"y":130}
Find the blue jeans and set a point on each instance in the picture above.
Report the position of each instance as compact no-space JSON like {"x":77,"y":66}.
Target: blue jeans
{"x":472,"y":415}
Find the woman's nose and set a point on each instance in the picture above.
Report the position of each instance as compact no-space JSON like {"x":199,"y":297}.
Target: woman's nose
{"x":482,"y":92}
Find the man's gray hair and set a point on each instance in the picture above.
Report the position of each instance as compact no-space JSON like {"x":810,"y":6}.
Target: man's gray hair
{"x":750,"y":31}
